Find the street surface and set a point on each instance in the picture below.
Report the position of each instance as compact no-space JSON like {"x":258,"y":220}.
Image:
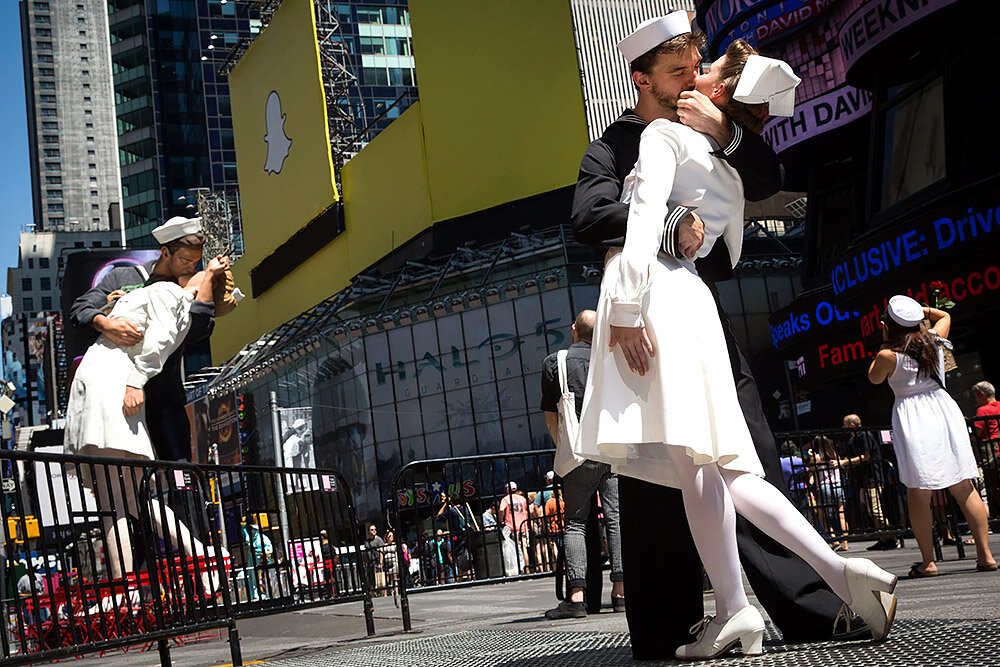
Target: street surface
{"x":950,"y":620}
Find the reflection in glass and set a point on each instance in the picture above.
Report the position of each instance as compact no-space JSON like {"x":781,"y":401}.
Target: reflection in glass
{"x":914,"y":144}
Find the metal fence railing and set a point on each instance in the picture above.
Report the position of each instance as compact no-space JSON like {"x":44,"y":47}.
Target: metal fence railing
{"x":474,"y":520}
{"x":846,"y":481}
{"x":102,"y":553}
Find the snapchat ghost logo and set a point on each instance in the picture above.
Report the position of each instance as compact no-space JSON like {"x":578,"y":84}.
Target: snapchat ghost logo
{"x":277,"y":142}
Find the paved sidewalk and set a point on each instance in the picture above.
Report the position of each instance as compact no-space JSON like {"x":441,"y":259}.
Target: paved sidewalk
{"x":950,"y":620}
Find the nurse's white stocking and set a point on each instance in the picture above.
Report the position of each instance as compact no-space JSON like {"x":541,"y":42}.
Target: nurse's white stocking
{"x":712,"y":519}
{"x":768,"y":509}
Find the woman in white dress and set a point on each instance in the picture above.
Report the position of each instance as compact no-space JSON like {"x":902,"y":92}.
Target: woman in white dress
{"x":105,"y":416}
{"x":677,"y":421}
{"x":929,"y":433}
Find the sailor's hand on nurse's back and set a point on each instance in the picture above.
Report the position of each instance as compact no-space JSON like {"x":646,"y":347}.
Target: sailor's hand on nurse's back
{"x":635,"y":345}
{"x":690,"y":234}
{"x":115,"y":295}
{"x":133,"y":401}
{"x":119,"y":331}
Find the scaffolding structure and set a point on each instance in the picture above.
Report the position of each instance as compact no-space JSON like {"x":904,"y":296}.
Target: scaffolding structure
{"x":346,"y":119}
{"x":221,"y":223}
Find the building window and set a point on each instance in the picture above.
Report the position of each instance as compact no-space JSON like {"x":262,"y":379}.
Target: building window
{"x":51,"y":152}
{"x":50,"y":125}
{"x":46,"y":71}
{"x":83,"y":33}
{"x":53,"y":180}
{"x":370,"y":15}
{"x":97,"y":244}
{"x":25,"y":284}
{"x":53,"y":194}
{"x":914,"y":152}
{"x":79,"y":244}
{"x":86,"y":99}
{"x":372,"y":76}
{"x":50,"y":139}
{"x":43,"y":262}
{"x":48,"y":99}
{"x":88,"y":112}
{"x":372,"y":45}
{"x":83,"y":47}
{"x":46,"y":303}
{"x":46,"y":85}
{"x":45,"y":283}
{"x":40,"y":6}
{"x":53,"y":166}
{"x":31,"y":263}
{"x":44,"y":46}
{"x":84,"y":59}
{"x":85,"y":72}
{"x":91,"y":153}
{"x":49,"y":113}
{"x":86,"y":86}
{"x":93,"y":193}
{"x":43,"y":32}
{"x":28,"y":305}
{"x":90,"y":126}
{"x":92,"y":166}
{"x":93,"y":179}
{"x":57,"y":221}
{"x":44,"y":19}
{"x":46,"y":57}
{"x":95,"y":220}
{"x":55,"y":208}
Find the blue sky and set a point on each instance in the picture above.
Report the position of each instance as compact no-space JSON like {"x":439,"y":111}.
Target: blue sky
{"x":15,"y":174}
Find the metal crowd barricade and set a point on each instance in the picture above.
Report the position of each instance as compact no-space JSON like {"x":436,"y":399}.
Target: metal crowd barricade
{"x":448,"y":519}
{"x":845,"y":481}
{"x":868,"y":495}
{"x":104,"y":553}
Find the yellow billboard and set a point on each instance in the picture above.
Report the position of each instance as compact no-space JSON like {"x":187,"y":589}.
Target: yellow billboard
{"x":280,"y":126}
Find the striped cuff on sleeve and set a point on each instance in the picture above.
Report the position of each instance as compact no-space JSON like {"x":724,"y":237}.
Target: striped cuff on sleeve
{"x":671,"y":246}
{"x":733,"y":143}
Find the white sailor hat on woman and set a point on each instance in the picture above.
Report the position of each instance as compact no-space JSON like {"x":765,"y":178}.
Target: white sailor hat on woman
{"x":653,"y":32}
{"x":904,"y":311}
{"x":768,"y":80}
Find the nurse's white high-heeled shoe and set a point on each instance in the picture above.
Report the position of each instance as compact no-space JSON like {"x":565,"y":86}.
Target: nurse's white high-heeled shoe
{"x":745,"y":626}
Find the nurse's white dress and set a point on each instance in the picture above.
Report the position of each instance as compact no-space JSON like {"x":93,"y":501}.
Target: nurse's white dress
{"x":95,"y":423}
{"x":929,"y":433}
{"x":688,"y":397}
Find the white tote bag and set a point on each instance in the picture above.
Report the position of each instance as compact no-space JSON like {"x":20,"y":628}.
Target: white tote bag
{"x":569,"y":423}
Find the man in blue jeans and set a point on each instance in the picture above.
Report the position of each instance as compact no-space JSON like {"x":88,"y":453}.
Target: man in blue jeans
{"x":581,"y":482}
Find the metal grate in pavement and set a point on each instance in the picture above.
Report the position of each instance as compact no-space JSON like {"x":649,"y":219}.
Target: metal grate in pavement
{"x":929,"y":643}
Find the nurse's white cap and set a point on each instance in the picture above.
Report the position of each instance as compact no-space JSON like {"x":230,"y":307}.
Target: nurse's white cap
{"x":653,"y":32}
{"x":768,"y":80}
{"x":904,"y":311}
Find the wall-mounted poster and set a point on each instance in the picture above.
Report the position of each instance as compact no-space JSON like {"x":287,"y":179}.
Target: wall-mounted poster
{"x":297,"y":442}
{"x":223,"y":428}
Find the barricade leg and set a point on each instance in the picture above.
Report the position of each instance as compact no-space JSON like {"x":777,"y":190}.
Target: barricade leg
{"x":234,"y":645}
{"x":163,"y":646}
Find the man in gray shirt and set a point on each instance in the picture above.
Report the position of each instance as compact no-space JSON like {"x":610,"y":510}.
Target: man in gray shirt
{"x":580,"y":484}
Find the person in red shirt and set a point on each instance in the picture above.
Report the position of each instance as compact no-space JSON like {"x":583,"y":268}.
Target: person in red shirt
{"x":985,"y":397}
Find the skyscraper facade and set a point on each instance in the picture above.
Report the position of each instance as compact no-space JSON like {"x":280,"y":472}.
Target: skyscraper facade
{"x":380,"y":55}
{"x":175,"y":129}
{"x":70,"y":108}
